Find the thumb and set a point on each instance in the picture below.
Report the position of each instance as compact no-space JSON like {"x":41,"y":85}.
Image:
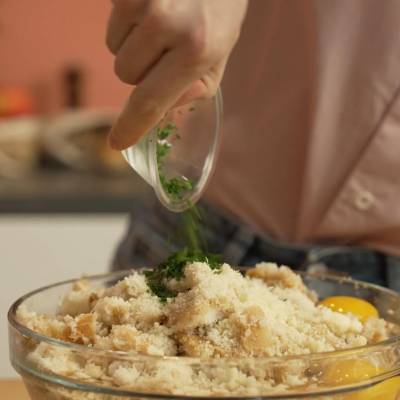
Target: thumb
{"x":206,"y":87}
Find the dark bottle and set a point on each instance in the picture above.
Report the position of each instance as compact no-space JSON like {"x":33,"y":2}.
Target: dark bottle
{"x":73,"y":81}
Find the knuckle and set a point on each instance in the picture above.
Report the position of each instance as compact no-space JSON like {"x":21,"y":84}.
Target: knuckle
{"x":110,"y":43}
{"x":157,"y":19}
{"x":123,"y":73}
{"x":123,"y":3}
{"x":197,"y":46}
{"x":210,"y":92}
{"x":149,"y":107}
{"x":211,"y":87}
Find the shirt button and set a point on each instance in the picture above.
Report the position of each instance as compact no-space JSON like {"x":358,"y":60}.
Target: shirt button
{"x":364,"y":200}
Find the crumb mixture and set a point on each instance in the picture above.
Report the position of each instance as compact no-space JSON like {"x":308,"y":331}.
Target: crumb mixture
{"x":215,"y":314}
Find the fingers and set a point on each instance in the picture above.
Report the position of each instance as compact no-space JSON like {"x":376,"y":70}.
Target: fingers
{"x":139,"y":53}
{"x":164,"y":85}
{"x":169,"y":84}
{"x":173,"y":52}
{"x":125,"y":15}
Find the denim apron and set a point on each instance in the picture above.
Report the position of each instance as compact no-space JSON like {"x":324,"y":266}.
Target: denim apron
{"x":150,"y":239}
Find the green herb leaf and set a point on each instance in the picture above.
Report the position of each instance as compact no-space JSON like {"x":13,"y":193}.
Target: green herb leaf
{"x":177,"y":186}
{"x":166,"y":131}
{"x":174,"y":268}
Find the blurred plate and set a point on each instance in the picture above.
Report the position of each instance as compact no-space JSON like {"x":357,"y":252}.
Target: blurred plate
{"x":78,"y":139}
{"x":19,"y":146}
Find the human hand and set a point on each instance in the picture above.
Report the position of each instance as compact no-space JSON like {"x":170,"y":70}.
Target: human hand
{"x":172,"y":51}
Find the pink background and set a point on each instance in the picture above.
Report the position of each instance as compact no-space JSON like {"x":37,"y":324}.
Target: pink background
{"x":39,"y":38}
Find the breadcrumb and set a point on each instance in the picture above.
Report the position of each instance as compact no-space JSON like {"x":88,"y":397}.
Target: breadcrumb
{"x":215,"y":315}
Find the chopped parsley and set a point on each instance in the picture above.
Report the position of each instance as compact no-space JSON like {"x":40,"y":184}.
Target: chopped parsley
{"x":177,"y":186}
{"x":174,"y":268}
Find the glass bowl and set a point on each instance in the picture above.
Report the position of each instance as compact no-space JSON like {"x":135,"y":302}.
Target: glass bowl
{"x":316,"y":383}
{"x":177,"y":157}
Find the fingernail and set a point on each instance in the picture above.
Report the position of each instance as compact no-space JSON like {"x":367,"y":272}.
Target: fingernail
{"x":113,"y":141}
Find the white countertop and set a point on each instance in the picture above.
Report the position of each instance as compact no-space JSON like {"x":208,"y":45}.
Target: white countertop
{"x":37,"y":250}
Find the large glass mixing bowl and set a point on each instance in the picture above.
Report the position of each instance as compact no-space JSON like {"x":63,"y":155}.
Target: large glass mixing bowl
{"x":336,"y":375}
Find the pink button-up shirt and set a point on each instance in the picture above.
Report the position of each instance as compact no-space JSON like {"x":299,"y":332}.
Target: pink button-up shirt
{"x":311,"y":149}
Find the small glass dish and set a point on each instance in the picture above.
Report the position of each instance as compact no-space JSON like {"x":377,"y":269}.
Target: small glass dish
{"x":177,"y":157}
{"x":316,"y":383}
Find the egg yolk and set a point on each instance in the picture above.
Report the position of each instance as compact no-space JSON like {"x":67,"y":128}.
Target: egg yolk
{"x":350,"y":371}
{"x":351,"y":305}
{"x":388,"y":390}
{"x":347,"y":372}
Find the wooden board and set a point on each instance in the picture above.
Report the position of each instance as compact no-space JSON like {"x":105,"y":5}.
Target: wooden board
{"x":13,"y":390}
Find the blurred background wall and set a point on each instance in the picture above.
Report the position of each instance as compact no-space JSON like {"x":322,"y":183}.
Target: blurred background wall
{"x":64,"y":195}
{"x":40,"y":38}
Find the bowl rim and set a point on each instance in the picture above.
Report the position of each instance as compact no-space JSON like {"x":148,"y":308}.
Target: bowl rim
{"x":13,"y":321}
